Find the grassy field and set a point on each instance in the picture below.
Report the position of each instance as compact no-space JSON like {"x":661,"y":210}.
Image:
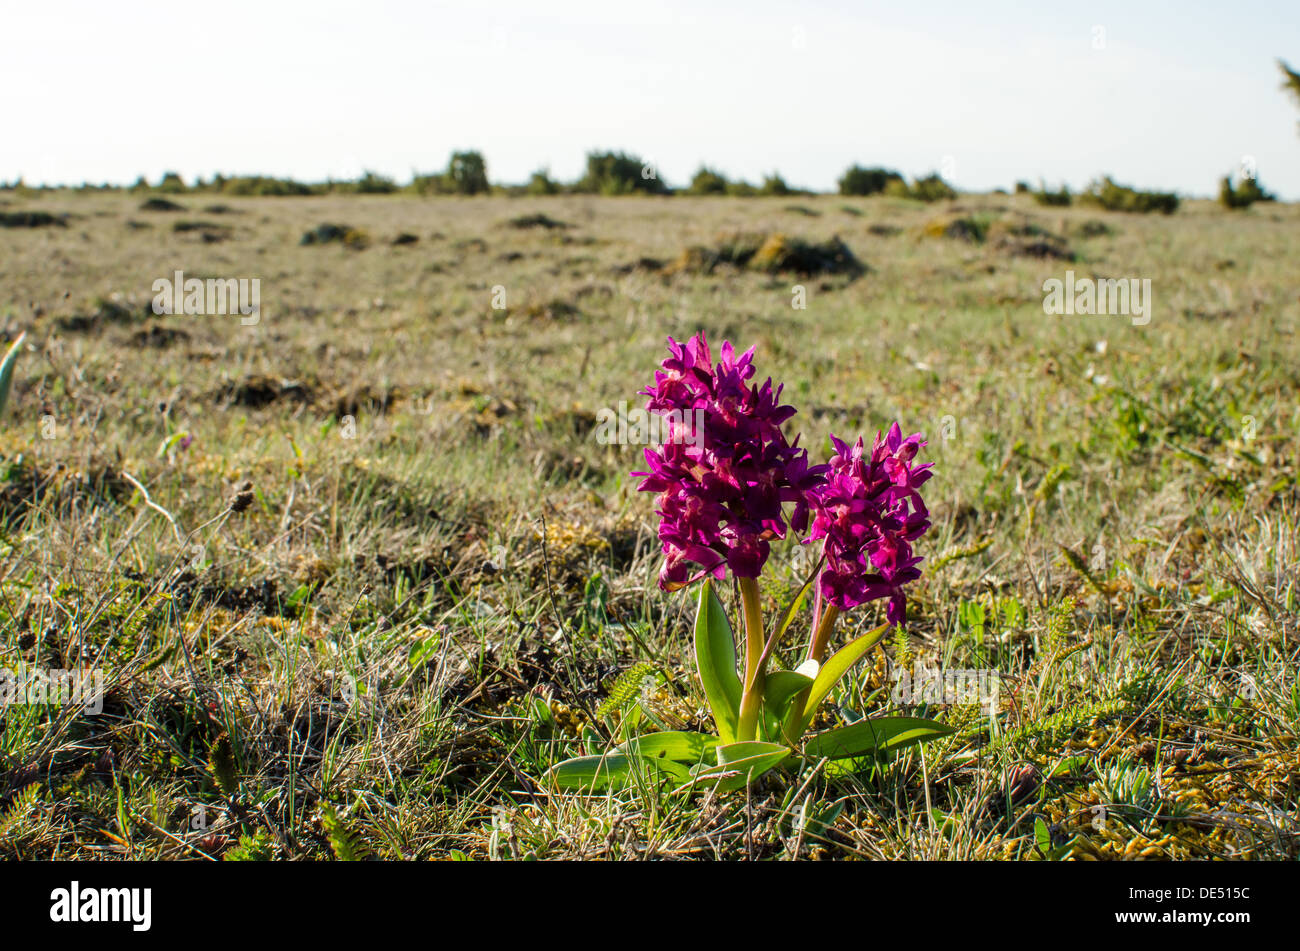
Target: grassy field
{"x":393,"y":575}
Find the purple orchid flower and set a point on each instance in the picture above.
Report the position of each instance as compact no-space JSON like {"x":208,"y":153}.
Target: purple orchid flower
{"x":868,"y":511}
{"x":722,"y":496}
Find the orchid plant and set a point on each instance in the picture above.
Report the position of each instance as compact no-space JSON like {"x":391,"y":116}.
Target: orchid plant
{"x":724,"y":495}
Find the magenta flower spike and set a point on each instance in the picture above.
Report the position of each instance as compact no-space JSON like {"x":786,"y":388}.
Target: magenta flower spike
{"x":722,"y":494}
{"x":869,"y":511}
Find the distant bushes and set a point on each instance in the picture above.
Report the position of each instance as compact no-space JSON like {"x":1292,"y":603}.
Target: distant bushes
{"x":774,"y":184}
{"x":867,"y":181}
{"x":1243,"y":195}
{"x":372,"y":183}
{"x":930,"y":188}
{"x":1106,"y":193}
{"x":707,"y":182}
{"x":244,"y":185}
{"x":171,"y":184}
{"x":618,"y":173}
{"x":466,"y":174}
{"x":540,"y":184}
{"x":625,"y":173}
{"x":1057,"y":199}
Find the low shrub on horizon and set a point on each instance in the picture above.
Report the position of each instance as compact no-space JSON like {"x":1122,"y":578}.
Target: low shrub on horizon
{"x":1108,"y":194}
{"x":867,"y":181}
{"x":1243,"y":195}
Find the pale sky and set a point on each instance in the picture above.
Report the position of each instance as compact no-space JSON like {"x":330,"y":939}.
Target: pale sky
{"x":1170,"y":95}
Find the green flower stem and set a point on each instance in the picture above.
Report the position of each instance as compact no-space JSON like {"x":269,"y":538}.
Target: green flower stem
{"x":794,"y":725}
{"x":822,"y":636}
{"x":752,"y":697}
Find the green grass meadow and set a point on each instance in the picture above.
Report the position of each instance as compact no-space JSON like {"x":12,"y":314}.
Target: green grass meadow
{"x":355,"y":575}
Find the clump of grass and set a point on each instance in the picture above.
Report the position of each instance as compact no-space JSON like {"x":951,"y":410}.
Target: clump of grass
{"x":160,"y":204}
{"x":353,"y":238}
{"x":1027,"y":239}
{"x":209,"y":231}
{"x":782,"y":254}
{"x":1095,"y":229}
{"x":735,"y":250}
{"x":771,"y":254}
{"x":960,"y":227}
{"x":537,"y":220}
{"x":31,"y":219}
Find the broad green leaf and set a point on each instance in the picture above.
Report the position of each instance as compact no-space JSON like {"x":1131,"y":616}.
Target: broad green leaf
{"x":612,"y":770}
{"x":591,"y":773}
{"x":836,"y":666}
{"x":677,"y":746}
{"x":878,"y":735}
{"x":1042,"y":837}
{"x":733,"y":754}
{"x":738,"y":763}
{"x":715,"y":654}
{"x":7,"y":370}
{"x":781,"y":687}
{"x":541,"y":711}
{"x":677,"y":772}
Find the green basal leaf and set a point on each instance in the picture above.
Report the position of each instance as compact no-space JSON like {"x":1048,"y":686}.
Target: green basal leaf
{"x":612,"y":771}
{"x":7,"y":370}
{"x":591,"y":773}
{"x":781,"y":687}
{"x":715,"y":655}
{"x":836,"y":666}
{"x":677,"y":746}
{"x":541,"y":711}
{"x":1042,"y":836}
{"x":874,"y":736}
{"x":738,"y":763}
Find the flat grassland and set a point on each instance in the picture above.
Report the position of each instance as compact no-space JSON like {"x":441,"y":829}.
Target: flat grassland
{"x":433,"y":574}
